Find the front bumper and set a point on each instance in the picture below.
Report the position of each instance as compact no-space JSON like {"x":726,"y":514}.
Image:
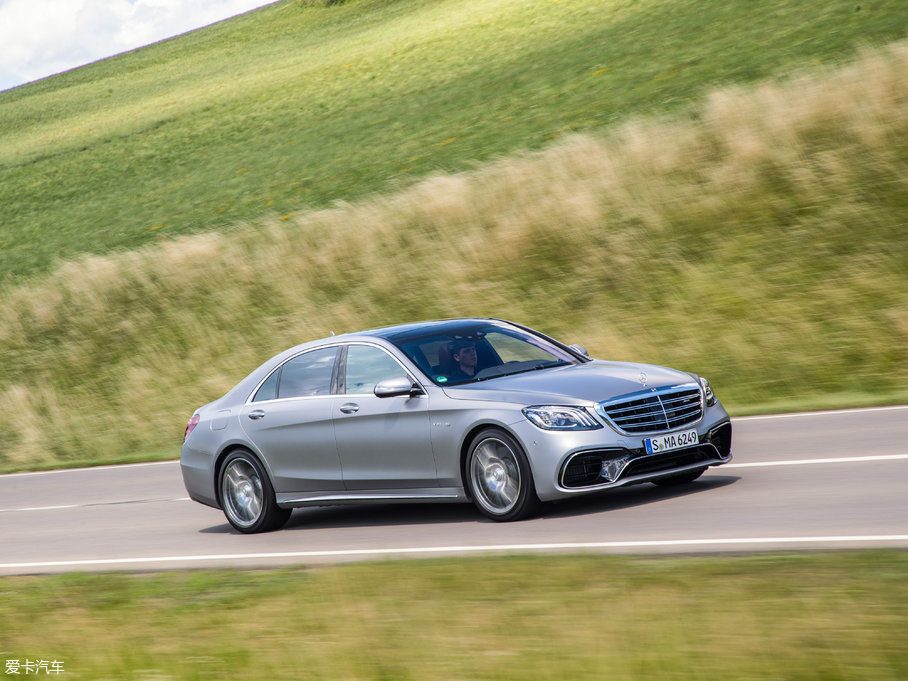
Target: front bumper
{"x":604,"y":468}
{"x":569,"y":463}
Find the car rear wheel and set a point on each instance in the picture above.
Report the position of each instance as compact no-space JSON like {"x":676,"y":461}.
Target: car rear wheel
{"x":681,"y":478}
{"x":499,"y":476}
{"x":247,"y":496}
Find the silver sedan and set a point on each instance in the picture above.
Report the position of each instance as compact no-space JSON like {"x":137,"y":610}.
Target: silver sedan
{"x":461,"y":410}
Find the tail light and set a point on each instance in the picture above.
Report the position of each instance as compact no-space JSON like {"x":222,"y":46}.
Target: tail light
{"x":193,"y":422}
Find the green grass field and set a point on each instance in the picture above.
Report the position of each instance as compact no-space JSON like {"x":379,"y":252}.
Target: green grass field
{"x":295,"y":106}
{"x":734,"y":204}
{"x":816,"y":617}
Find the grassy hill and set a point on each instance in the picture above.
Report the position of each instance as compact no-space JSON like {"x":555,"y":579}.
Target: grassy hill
{"x":294,"y":106}
{"x":752,"y":233}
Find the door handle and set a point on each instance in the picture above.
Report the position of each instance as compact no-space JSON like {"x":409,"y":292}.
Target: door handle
{"x":349,"y":408}
{"x":255,"y":415}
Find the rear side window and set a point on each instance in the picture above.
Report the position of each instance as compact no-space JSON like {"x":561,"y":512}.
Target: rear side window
{"x":268,"y":390}
{"x":305,"y":375}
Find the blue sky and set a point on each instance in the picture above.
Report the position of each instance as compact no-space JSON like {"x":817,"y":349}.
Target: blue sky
{"x":39,"y":38}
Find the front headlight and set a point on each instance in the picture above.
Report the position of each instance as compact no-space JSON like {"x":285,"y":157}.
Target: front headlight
{"x":561,"y":418}
{"x":707,"y":392}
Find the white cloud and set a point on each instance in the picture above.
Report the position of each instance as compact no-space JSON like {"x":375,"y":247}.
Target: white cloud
{"x":41,"y":37}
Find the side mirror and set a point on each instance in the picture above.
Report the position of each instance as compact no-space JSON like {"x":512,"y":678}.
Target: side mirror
{"x":397,"y":386}
{"x":579,"y":349}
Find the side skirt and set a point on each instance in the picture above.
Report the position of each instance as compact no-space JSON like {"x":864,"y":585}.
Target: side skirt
{"x":385,"y":496}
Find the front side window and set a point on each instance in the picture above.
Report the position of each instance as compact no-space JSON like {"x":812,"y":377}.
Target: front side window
{"x":307,"y":375}
{"x":366,"y":366}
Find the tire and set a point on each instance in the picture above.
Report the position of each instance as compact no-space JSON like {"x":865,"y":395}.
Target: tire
{"x":681,"y":478}
{"x":247,"y":496}
{"x":498,"y":476}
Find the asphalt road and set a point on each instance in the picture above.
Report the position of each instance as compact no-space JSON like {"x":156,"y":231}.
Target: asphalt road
{"x":798,"y":482}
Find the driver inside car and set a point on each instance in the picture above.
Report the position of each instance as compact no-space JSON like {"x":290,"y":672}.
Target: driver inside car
{"x":465,"y":358}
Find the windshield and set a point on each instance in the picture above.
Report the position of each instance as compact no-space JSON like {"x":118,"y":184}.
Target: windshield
{"x":480,"y":351}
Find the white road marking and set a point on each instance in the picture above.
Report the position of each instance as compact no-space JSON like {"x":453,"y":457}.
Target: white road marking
{"x":96,"y":503}
{"x":38,"y":508}
{"x":111,"y":467}
{"x":417,"y":550}
{"x":832,"y":412}
{"x":807,"y":462}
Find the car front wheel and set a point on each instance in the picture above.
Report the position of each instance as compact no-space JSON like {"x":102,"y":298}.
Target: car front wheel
{"x":499,"y":476}
{"x":247,"y":496}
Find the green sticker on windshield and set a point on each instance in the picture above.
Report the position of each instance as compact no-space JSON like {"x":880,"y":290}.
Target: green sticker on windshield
{"x":442,"y":379}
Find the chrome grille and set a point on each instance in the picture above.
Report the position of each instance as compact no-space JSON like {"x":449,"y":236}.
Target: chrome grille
{"x":655,"y":411}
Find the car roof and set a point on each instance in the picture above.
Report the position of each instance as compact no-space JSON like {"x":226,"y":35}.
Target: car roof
{"x":440,"y":326}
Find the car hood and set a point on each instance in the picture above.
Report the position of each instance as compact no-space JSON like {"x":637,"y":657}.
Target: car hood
{"x":594,"y":381}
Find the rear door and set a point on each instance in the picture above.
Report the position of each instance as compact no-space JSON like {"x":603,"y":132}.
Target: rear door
{"x":290,"y":421}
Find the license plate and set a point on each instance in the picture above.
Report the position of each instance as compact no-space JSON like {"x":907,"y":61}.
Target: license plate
{"x":665,"y":443}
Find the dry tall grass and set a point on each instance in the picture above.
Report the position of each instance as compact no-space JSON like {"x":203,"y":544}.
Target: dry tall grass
{"x":763,"y":245}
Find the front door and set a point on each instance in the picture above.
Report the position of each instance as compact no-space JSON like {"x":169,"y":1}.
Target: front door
{"x":383,"y":442}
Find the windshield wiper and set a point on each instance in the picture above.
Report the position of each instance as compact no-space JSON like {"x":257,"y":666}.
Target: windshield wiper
{"x":545,"y":365}
{"x":550,"y":365}
{"x":486,"y":378}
